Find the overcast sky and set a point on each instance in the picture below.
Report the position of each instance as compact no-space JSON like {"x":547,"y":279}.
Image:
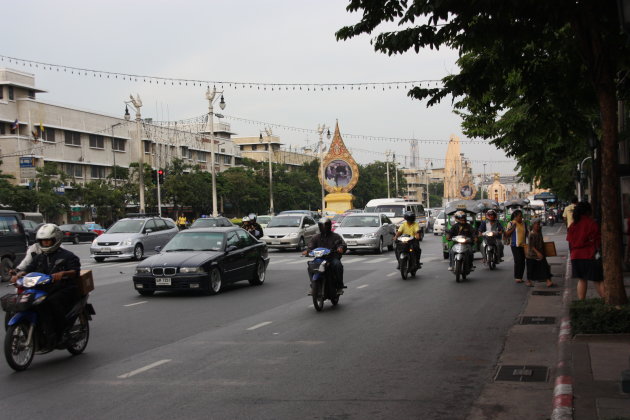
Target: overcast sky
{"x":266,"y":41}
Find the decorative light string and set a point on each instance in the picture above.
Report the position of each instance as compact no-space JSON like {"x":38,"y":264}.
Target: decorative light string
{"x":224,"y":84}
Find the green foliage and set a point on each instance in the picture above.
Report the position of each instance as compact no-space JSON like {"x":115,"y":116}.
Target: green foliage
{"x":594,"y":316}
{"x":436,"y":192}
{"x":373,"y":183}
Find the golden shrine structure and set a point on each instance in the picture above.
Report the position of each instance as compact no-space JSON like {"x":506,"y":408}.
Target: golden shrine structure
{"x":339,"y":174}
{"x":458,"y":183}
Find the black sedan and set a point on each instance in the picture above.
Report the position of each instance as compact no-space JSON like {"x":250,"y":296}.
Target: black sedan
{"x":77,"y":233}
{"x":203,"y":259}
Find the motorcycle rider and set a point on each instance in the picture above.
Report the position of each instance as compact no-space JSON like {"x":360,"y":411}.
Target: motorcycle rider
{"x":63,"y":266}
{"x":326,"y":238}
{"x":411,"y":228}
{"x":461,"y":227}
{"x":252,"y":226}
{"x":491,"y":224}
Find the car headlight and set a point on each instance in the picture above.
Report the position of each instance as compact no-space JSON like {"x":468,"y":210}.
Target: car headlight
{"x":142,"y":270}
{"x":369,"y":235}
{"x":292,"y":235}
{"x":127,"y":242}
{"x":191,"y":270}
{"x":95,"y":241}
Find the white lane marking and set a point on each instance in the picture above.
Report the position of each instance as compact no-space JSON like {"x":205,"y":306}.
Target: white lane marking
{"x":353,"y":260}
{"x":137,"y":303}
{"x":143,"y":369}
{"x":377,"y":260}
{"x":296,"y":262}
{"x":392,"y":274}
{"x":262,"y":324}
{"x":362,"y":286}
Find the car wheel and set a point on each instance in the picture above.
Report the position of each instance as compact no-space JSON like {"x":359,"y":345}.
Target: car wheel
{"x":390,"y":247}
{"x":214,"y":285}
{"x":301,"y":245}
{"x":259,"y":275}
{"x":5,"y":266}
{"x":138,"y":252}
{"x":379,"y":250}
{"x":75,"y":240}
{"x":99,"y":259}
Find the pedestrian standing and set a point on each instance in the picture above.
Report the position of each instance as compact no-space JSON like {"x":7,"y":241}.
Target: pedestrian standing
{"x":584,"y":243}
{"x":537,"y":266}
{"x":567,"y":214}
{"x":517,"y":233}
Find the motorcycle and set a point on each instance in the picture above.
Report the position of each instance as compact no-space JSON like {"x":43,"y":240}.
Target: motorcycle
{"x":323,"y":285}
{"x":551,"y":219}
{"x":24,"y":333}
{"x":406,"y":256}
{"x":462,"y":247}
{"x":490,"y":245}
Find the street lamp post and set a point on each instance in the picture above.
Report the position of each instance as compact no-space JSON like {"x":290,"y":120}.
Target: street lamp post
{"x":114,"y":153}
{"x":320,"y":130}
{"x":387,"y":153}
{"x":210,"y":96}
{"x":136,"y":104}
{"x":395,"y":174}
{"x":483,"y":181}
{"x":269,"y":133}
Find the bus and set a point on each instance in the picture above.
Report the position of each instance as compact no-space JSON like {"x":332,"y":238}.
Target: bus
{"x":396,"y":207}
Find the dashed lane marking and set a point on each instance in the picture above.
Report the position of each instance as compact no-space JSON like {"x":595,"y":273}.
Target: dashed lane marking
{"x":143,"y":369}
{"x":300,"y":261}
{"x":377,"y":260}
{"x":353,"y":260}
{"x":363,"y":286}
{"x":392,"y":274}
{"x":262,"y":324}
{"x":137,"y":303}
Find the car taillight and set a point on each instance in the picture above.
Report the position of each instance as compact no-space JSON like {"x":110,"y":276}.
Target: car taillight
{"x":67,"y":233}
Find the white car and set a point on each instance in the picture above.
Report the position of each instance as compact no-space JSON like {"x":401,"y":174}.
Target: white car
{"x":370,"y":231}
{"x":439,"y":223}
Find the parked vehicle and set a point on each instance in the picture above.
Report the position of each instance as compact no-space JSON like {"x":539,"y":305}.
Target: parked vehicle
{"x":13,"y":242}
{"x":290,"y":231}
{"x":462,"y":264}
{"x":439,"y":223}
{"x":133,"y":237}
{"x":95,"y":227}
{"x":371,"y":231}
{"x":323,"y":285}
{"x":211,"y":222}
{"x":24,"y":336}
{"x":398,"y":207}
{"x":204,"y":259}
{"x":492,"y":252}
{"x":77,"y":233}
{"x":406,"y":256}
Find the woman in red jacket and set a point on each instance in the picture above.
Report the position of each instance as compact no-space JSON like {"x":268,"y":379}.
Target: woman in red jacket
{"x":584,"y":242}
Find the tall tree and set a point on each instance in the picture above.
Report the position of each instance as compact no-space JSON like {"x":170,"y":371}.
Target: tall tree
{"x":533,"y":76}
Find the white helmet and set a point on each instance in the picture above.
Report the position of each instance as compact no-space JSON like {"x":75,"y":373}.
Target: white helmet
{"x":245,"y":219}
{"x":49,"y":231}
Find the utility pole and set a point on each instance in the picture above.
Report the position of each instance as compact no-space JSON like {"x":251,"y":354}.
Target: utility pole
{"x":269,"y":133}
{"x":320,"y":130}
{"x":483,"y":181}
{"x":210,"y":96}
{"x":136,"y":103}
{"x":387,"y":153}
{"x":395,"y":175}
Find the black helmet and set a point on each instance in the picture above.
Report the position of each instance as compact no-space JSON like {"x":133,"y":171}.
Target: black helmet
{"x":410,"y":216}
{"x":325,"y":225}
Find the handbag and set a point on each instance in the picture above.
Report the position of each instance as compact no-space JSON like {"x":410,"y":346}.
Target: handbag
{"x":549,"y":249}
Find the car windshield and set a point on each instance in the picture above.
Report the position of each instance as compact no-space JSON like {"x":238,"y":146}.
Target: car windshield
{"x":441,"y":215}
{"x":65,"y":227}
{"x":195,"y":241}
{"x":397,"y":209}
{"x":338,"y":218}
{"x":361,"y":221}
{"x":127,"y":226}
{"x":205,"y":223}
{"x":263,"y":219}
{"x":285,"y":221}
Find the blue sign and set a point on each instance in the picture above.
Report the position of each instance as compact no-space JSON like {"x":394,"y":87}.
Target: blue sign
{"x":26,"y":162}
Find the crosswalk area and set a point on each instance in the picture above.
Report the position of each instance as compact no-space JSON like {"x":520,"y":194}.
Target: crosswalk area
{"x":296,"y":261}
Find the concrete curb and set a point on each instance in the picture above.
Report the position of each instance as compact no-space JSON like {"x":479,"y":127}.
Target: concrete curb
{"x":563,"y":389}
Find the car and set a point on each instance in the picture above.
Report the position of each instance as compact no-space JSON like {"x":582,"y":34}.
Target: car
{"x":204,"y":259}
{"x":13,"y":242}
{"x":439,"y":223}
{"x":95,"y":227}
{"x":211,"y":222}
{"x":133,"y":237}
{"x":290,"y":231}
{"x":336,"y":221}
{"x":263,"y":220}
{"x":396,"y":208}
{"x":30,"y":228}
{"x":371,"y":231}
{"x":311,"y":213}
{"x":76,"y":233}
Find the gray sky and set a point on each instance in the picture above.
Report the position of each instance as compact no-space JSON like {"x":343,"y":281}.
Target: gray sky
{"x":274,"y":41}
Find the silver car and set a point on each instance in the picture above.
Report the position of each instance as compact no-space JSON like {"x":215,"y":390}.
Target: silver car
{"x":439,"y":223}
{"x":133,"y":238}
{"x":291,"y":231}
{"x":371,"y":231}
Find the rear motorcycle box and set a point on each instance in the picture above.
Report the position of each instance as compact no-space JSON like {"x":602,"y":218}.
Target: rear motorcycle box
{"x":85,"y":282}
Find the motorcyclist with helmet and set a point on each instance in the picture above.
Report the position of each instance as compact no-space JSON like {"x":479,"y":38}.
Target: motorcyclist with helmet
{"x":412,"y":228}
{"x":250,"y":225}
{"x":326,"y":238}
{"x":63,"y":266}
{"x":491,"y":224}
{"x":461,"y":227}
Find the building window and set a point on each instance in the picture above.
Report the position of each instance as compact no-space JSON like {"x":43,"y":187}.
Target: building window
{"x":1,"y":92}
{"x":73,"y":138}
{"x":147,"y":147}
{"x":2,"y":129}
{"x":11,"y":97}
{"x":118,"y":145}
{"x":254,"y":147}
{"x":227,"y":159}
{"x":31,"y":94}
{"x":48,"y":134}
{"x":74,"y":170}
{"x":97,"y":142}
{"x":97,"y":172}
{"x":186,"y":153}
{"x":216,"y":158}
{"x":201,"y":156}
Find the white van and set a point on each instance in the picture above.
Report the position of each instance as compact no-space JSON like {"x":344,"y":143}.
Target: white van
{"x":398,"y":207}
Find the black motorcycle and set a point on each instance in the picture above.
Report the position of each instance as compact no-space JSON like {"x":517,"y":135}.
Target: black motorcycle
{"x":490,"y":246}
{"x":323,"y":285}
{"x":406,"y":256}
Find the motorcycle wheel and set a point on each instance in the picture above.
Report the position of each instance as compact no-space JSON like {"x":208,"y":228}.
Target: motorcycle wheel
{"x":80,"y":334}
{"x":491,"y":261}
{"x":334,"y":300}
{"x":318,"y":296}
{"x":18,"y":355}
{"x":458,"y":270}
{"x":403,"y":268}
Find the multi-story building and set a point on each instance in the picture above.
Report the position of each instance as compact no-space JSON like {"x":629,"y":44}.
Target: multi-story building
{"x":417,"y":180}
{"x":87,"y":144}
{"x":257,"y":148}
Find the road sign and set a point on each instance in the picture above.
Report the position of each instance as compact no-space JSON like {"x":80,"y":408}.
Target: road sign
{"x":28,"y":172}
{"x":75,"y":218}
{"x":93,"y":211}
{"x":26,"y":162}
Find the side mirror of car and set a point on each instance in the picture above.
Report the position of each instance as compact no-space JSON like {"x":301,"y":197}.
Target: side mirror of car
{"x":230,"y":248}
{"x":158,"y":248}
{"x":147,"y":231}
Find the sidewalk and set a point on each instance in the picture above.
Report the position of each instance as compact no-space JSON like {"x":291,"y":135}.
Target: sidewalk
{"x":544,"y":374}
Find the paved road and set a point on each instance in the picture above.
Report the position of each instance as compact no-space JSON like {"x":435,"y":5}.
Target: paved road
{"x":392,"y":349}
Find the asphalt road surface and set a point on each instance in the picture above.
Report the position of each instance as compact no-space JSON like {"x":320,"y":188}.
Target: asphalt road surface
{"x":392,"y":349}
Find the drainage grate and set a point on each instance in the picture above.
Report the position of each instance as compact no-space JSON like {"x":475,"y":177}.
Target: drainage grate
{"x":545,"y":293}
{"x":522,"y":373}
{"x":538,"y":320}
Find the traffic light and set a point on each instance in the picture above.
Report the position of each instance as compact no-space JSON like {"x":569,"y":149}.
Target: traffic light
{"x":154,"y":176}
{"x":161,"y":175}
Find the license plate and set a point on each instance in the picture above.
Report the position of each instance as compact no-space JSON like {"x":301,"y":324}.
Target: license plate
{"x":164,"y":281}
{"x":351,"y":242}
{"x":105,"y":250}
{"x":275,"y":242}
